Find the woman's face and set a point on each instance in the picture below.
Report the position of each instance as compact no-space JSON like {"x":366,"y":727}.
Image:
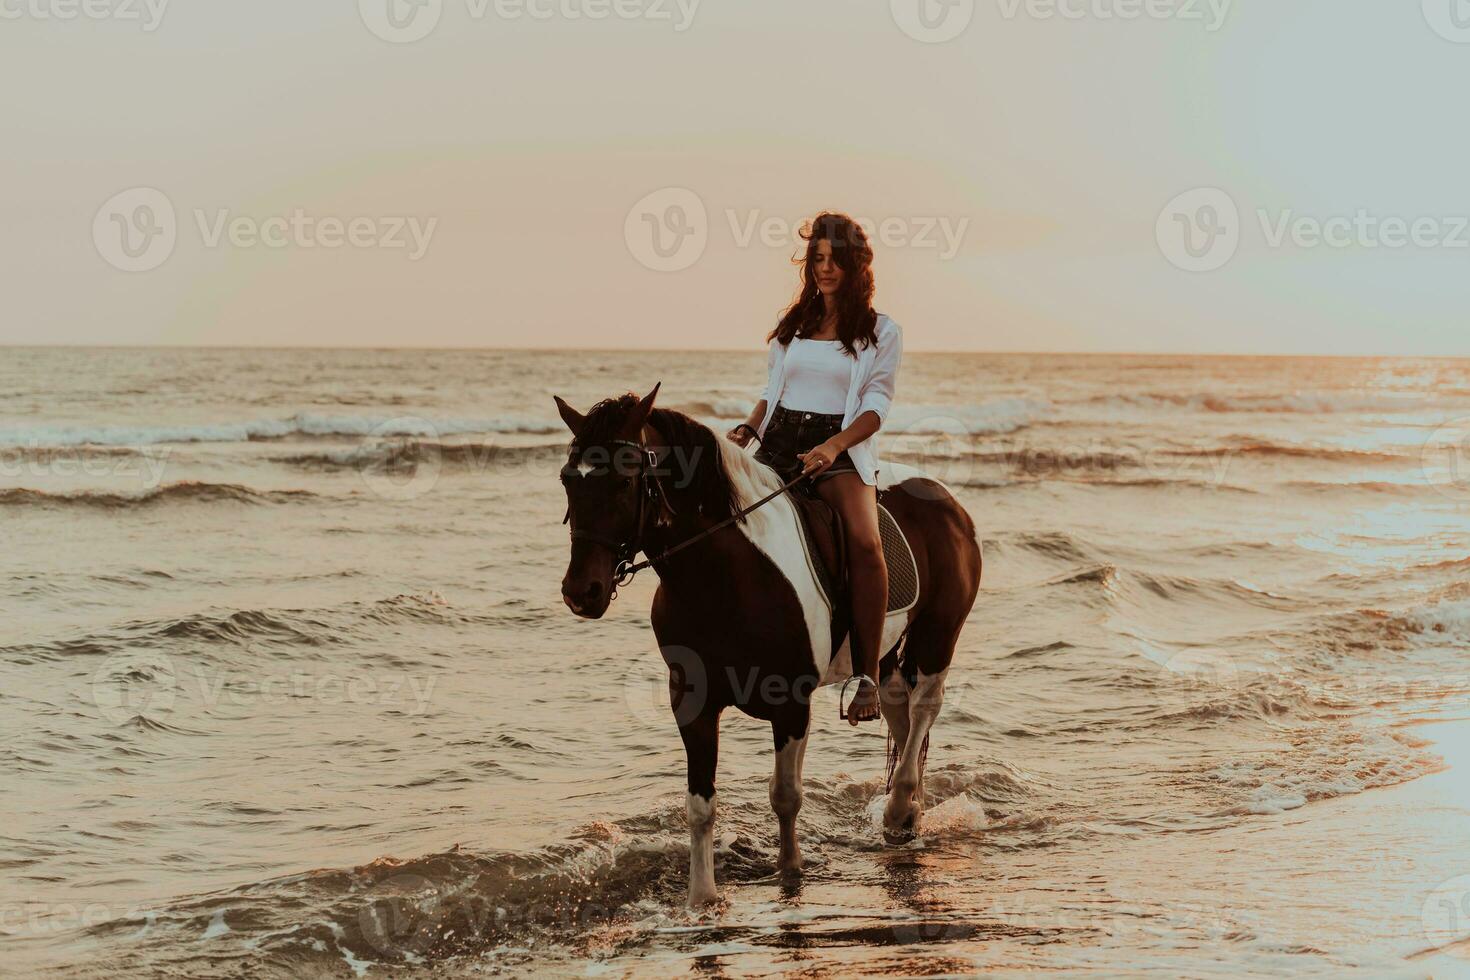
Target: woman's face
{"x":825,"y":269}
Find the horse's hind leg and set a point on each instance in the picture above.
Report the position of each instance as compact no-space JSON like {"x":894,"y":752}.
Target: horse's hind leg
{"x":701,"y":744}
{"x":790,"y":737}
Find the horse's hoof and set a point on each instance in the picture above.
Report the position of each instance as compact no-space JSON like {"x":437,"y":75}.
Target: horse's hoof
{"x":701,"y":900}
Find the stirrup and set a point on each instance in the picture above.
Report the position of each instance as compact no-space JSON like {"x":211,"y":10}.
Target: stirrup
{"x":860,"y":678}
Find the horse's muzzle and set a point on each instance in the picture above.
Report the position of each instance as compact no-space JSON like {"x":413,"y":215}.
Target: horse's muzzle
{"x":587,"y":598}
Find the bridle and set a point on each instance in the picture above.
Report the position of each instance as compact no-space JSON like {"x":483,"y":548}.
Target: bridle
{"x":650,"y":490}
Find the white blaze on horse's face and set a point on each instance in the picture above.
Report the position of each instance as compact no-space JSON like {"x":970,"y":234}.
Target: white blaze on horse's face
{"x":603,"y":505}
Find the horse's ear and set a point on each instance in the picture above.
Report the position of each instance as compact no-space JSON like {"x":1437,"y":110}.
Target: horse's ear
{"x":570,"y":416}
{"x":640,"y":414}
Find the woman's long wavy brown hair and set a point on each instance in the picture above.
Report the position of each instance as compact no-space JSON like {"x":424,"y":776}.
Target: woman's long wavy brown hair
{"x":856,"y":320}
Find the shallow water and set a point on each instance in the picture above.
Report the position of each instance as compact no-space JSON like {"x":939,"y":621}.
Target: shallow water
{"x":290,"y":688}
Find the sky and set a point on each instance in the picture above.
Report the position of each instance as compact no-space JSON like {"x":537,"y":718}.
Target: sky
{"x":1195,"y":176}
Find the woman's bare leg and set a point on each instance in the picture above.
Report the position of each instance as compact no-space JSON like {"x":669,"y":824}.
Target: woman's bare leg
{"x":857,"y":502}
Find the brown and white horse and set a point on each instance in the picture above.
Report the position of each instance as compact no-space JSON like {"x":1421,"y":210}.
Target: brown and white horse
{"x":739,"y":617}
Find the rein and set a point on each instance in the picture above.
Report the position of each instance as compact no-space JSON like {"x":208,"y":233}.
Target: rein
{"x":652,"y":491}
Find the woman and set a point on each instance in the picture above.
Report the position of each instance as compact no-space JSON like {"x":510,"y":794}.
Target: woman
{"x":833,"y":362}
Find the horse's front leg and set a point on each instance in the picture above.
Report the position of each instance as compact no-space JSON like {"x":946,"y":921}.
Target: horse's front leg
{"x":790,"y":735}
{"x":702,"y":744}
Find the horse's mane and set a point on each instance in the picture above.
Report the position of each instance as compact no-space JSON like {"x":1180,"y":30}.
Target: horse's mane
{"x":724,"y":477}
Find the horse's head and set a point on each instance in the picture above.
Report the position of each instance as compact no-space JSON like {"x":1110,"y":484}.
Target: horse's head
{"x":607,"y":496}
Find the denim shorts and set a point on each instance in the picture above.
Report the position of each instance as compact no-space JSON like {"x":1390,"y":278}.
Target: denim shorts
{"x":791,"y":432}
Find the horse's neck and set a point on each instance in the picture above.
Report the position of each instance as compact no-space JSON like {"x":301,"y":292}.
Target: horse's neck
{"x":687,"y":522}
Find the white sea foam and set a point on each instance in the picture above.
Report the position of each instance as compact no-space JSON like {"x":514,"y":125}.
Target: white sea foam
{"x":301,"y":424}
{"x":1304,"y":403}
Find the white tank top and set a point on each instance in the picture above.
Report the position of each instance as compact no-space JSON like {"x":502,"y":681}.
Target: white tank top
{"x":818,"y":374}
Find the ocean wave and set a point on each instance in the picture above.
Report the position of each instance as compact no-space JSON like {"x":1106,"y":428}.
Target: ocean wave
{"x":293,"y":629}
{"x":48,"y":455}
{"x":1305,"y":403}
{"x":1172,"y":483}
{"x":1100,"y":480}
{"x":1001,"y":416}
{"x":627,"y":875}
{"x":1037,"y":461}
{"x":906,"y":418}
{"x":1051,"y":544}
{"x":719,"y":408}
{"x":301,"y":424}
{"x":1443,"y":618}
{"x":188,"y":490}
{"x":1114,"y":583}
{"x":1322,"y":764}
{"x":409,"y":453}
{"x":1361,"y":486}
{"x":987,"y":418}
{"x":1256,"y":447}
{"x":1329,"y":644}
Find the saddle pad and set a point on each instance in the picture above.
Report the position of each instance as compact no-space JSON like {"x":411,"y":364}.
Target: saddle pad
{"x":903,"y":573}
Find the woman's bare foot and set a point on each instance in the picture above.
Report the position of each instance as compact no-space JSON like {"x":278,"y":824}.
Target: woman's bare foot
{"x":864,"y":705}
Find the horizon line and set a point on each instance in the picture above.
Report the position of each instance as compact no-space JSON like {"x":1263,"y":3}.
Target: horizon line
{"x":710,"y":350}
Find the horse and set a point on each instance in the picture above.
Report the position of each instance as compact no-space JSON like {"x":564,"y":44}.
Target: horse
{"x":738,"y":616}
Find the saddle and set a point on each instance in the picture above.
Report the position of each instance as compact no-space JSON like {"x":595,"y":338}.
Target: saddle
{"x":826,"y":547}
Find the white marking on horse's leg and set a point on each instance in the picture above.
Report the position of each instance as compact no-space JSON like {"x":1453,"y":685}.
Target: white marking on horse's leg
{"x":893,"y":698}
{"x":906,"y":800}
{"x":786,"y":799}
{"x":701,"y":849}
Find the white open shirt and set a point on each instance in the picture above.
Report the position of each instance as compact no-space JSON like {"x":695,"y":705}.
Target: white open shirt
{"x":870,"y":388}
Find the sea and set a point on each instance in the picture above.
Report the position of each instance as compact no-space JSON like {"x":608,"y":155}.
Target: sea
{"x":287,"y":686}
